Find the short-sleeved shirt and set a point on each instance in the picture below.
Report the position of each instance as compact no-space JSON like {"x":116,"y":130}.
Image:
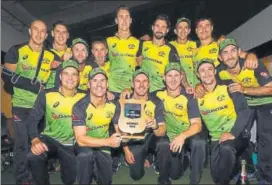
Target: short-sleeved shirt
{"x":106,"y":68}
{"x":249,"y":78}
{"x":155,"y":59}
{"x":97,"y":120}
{"x":57,"y":110}
{"x":185,"y":52}
{"x":51,"y":81}
{"x":219,"y":108}
{"x":153,"y":109}
{"x":122,"y":56}
{"x":27,"y":61}
{"x":178,"y":112}
{"x":208,"y":51}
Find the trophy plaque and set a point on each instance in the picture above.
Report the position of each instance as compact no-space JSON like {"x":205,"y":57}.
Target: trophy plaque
{"x":131,"y":122}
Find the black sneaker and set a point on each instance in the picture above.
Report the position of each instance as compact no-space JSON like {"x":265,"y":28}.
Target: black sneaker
{"x":155,"y":167}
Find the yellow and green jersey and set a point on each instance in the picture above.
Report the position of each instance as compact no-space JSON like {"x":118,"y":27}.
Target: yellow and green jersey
{"x":97,"y":120}
{"x":185,"y":52}
{"x":178,"y":112}
{"x":106,"y":68}
{"x":155,"y":58}
{"x":57,"y":110}
{"x":27,"y":62}
{"x":223,"y":112}
{"x":51,"y":81}
{"x":249,"y":78}
{"x":122,"y":56}
{"x":208,"y":51}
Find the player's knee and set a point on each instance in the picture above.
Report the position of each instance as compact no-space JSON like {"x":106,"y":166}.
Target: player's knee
{"x":199,"y":144}
{"x":137,"y":175}
{"x":227,"y":149}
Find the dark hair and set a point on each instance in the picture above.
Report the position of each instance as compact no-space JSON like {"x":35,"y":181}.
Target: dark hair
{"x":203,"y":18}
{"x":60,"y":23}
{"x":121,"y":7}
{"x":164,"y":18}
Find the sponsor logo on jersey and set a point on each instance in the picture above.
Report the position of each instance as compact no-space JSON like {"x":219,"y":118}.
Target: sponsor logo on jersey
{"x":148,"y":113}
{"x":131,"y":46}
{"x":25,"y":57}
{"x":109,"y":114}
{"x":96,"y":127}
{"x":90,"y":116}
{"x":26,"y":67}
{"x":264,"y":74}
{"x":179,"y":106}
{"x":114,"y":45}
{"x":201,"y":103}
{"x":56,"y":104}
{"x":46,"y":61}
{"x":246,"y":80}
{"x":189,"y":49}
{"x":213,"y":50}
{"x":60,"y":116}
{"x":147,"y":48}
{"x":206,"y":112}
{"x":221,"y":97}
{"x":161,"y":53}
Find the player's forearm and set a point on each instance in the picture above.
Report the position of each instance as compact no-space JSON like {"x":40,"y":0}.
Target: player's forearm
{"x":86,"y":141}
{"x":160,"y":131}
{"x":258,"y":91}
{"x":192,"y":130}
{"x":184,"y":81}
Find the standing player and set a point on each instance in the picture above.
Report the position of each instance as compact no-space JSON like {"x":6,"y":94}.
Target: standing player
{"x":60,"y":33}
{"x":185,"y":48}
{"x":123,"y":52}
{"x":157,"y":54}
{"x":29,"y":65}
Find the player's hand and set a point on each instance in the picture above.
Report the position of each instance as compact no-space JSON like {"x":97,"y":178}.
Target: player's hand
{"x":110,"y":95}
{"x":145,"y":37}
{"x":200,"y":91}
{"x":125,"y":93}
{"x":139,"y":60}
{"x":251,"y":61}
{"x":115,"y":140}
{"x":177,"y":144}
{"x":66,"y":56}
{"x":236,"y":87}
{"x":129,"y":157}
{"x":38,"y":147}
{"x":189,"y":89}
{"x":54,"y":64}
{"x":152,"y":123}
{"x":226,"y":136}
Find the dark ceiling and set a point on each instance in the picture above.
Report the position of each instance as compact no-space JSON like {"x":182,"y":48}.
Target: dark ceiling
{"x":227,"y":15}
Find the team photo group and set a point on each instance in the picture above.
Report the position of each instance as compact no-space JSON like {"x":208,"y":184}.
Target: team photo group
{"x":171,"y":105}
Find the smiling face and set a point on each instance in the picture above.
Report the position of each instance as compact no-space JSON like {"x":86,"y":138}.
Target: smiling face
{"x":38,"y":32}
{"x":182,"y":30}
{"x":204,"y":29}
{"x":69,"y":78}
{"x":60,"y":34}
{"x":98,"y":85}
{"x":230,"y":56}
{"x":99,"y":51}
{"x":160,"y":29}
{"x":206,"y":73}
{"x":79,"y":52}
{"x":141,"y":85}
{"x":173,"y":80}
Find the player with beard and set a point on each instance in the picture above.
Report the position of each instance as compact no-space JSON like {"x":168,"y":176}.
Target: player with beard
{"x":256,"y":85}
{"x":157,"y":54}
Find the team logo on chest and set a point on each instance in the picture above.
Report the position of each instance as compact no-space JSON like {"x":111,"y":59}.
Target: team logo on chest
{"x":161,"y":53}
{"x":246,"y":80}
{"x":109,"y":114}
{"x":179,"y":106}
{"x":214,"y":50}
{"x":131,"y":46}
{"x":221,"y":97}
